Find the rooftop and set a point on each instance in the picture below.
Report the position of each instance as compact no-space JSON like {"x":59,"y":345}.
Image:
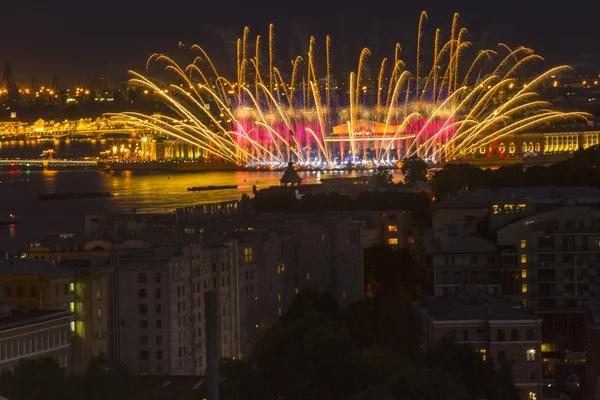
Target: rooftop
{"x":19,"y":319}
{"x":471,"y":307}
{"x":32,"y":266}
{"x":481,"y":198}
{"x":459,"y":245}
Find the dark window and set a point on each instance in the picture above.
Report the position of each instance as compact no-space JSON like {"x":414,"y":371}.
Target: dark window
{"x":465,"y":335}
{"x":142,"y":294}
{"x":501,"y":334}
{"x":158,"y":324}
{"x":514,"y":335}
{"x":501,"y":356}
{"x":159,"y":339}
{"x":480,"y":334}
{"x":529,"y":334}
{"x":158,"y":309}
{"x":143,"y":323}
{"x":142,"y":278}
{"x":157,"y":277}
{"x":144,"y":355}
{"x":159,"y":354}
{"x":142,"y":309}
{"x":157,"y":293}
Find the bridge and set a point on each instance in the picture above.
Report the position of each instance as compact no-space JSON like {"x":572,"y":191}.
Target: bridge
{"x":46,"y":164}
{"x":83,"y":133}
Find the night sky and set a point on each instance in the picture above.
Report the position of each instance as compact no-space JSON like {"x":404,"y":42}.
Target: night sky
{"x":78,"y":39}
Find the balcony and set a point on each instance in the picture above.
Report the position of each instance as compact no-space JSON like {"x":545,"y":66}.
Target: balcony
{"x":546,"y":250}
{"x":545,"y":279}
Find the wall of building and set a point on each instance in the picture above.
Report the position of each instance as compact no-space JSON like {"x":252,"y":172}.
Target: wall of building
{"x":43,"y":339}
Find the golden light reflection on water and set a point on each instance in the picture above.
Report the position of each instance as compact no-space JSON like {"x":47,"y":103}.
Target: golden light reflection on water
{"x":164,"y":192}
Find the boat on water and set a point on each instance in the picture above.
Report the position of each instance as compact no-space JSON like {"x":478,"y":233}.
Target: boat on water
{"x":204,"y":188}
{"x":65,"y":196}
{"x":11,"y":220}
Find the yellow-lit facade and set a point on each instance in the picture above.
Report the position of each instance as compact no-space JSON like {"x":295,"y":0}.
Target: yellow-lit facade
{"x":84,"y":293}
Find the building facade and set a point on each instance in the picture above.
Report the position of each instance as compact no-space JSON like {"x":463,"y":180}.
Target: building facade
{"x":160,"y":322}
{"x":81,"y":289}
{"x":495,"y":327}
{"x":29,"y":335}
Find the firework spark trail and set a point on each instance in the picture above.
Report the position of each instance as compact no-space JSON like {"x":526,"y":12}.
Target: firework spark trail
{"x":437,"y":114}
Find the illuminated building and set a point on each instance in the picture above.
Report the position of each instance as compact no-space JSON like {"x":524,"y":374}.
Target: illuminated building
{"x":494,"y":327}
{"x":80,"y":288}
{"x":545,"y":254}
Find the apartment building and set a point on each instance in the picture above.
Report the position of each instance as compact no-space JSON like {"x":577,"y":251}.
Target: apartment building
{"x":547,"y":256}
{"x":556,"y":259}
{"x":457,"y":259}
{"x":384,"y":228}
{"x":256,"y":271}
{"x":29,"y":335}
{"x":494,"y":326}
{"x":159,"y":307}
{"x":80,"y":288}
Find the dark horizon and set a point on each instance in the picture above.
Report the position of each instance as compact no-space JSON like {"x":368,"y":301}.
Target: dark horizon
{"x":78,"y":41}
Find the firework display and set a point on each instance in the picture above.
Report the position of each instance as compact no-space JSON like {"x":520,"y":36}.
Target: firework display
{"x":267,"y":117}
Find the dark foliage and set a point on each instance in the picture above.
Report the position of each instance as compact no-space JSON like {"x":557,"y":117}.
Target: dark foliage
{"x":414,"y":170}
{"x":416,"y":203}
{"x":583,"y":169}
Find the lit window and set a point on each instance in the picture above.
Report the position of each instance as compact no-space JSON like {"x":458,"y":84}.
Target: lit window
{"x":524,"y":273}
{"x":523,"y":243}
{"x":531,"y":355}
{"x":523,"y":258}
{"x":72,"y":306}
{"x":248,"y":254}
{"x":296,"y":291}
{"x":393,"y":228}
{"x":307,"y":276}
{"x":393,"y":241}
{"x":548,"y":347}
{"x":71,"y":287}
{"x":496,"y":209}
{"x":524,"y":288}
{"x":483,"y":353}
{"x":278,"y":269}
{"x":279,"y":297}
{"x":99,"y":313}
{"x":532,"y":396}
{"x":524,"y":303}
{"x":72,"y":326}
{"x":344,"y":294}
{"x":279,"y":311}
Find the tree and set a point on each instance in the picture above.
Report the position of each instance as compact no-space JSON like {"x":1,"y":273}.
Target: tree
{"x":383,"y":177}
{"x":478,"y":376}
{"x":41,"y":379}
{"x":414,"y":170}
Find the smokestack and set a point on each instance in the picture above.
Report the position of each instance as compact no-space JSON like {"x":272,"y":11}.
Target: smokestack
{"x":211,"y":304}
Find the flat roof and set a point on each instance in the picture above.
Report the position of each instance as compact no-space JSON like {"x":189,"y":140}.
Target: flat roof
{"x":32,"y":266}
{"x":18,"y":319}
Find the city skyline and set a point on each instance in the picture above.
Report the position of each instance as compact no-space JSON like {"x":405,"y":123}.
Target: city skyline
{"x":77,"y":42}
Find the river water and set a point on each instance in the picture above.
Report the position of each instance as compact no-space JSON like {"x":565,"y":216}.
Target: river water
{"x":146,"y":191}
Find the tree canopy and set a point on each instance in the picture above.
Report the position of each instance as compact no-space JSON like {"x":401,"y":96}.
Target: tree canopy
{"x":414,"y":170}
{"x":583,"y":169}
{"x":370,"y":350}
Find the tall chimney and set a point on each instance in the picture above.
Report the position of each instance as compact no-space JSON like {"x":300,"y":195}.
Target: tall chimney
{"x":211,"y":304}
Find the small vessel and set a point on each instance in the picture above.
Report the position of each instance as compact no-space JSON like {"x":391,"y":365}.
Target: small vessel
{"x":11,"y":220}
{"x":65,"y":196}
{"x":204,"y":188}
